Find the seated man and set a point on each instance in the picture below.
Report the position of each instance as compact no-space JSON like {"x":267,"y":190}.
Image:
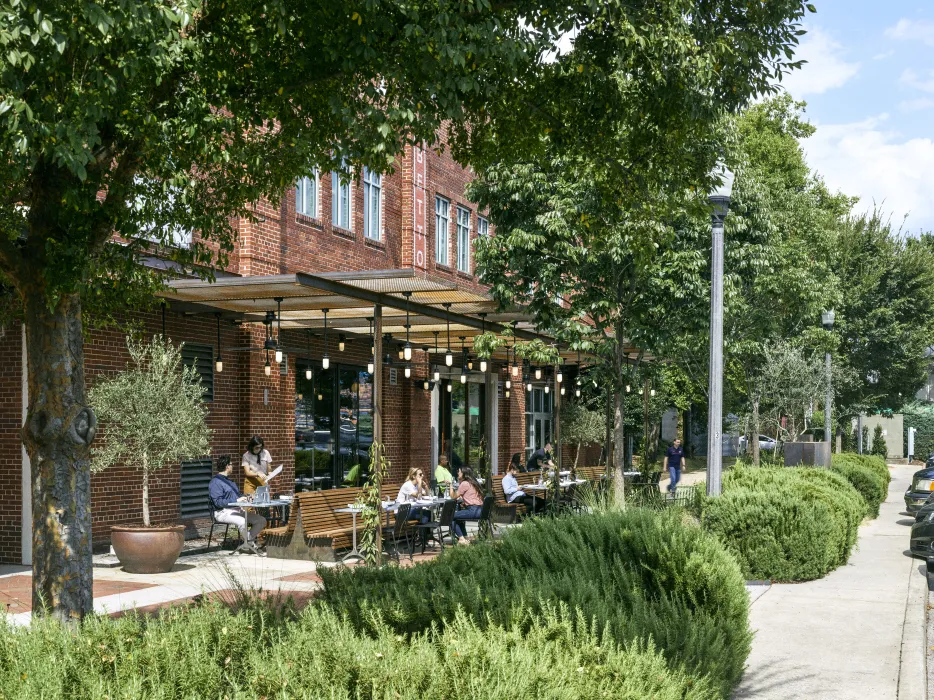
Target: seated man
{"x":443,"y":475}
{"x":513,"y":493}
{"x":223,"y":491}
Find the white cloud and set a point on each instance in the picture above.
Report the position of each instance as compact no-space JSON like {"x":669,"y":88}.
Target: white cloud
{"x":910,"y":79}
{"x":884,"y":55}
{"x":875,"y":164}
{"x":825,"y":68}
{"x":918,"y":105}
{"x":913,"y":30}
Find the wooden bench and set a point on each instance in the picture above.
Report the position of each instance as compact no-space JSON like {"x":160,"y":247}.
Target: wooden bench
{"x":523,"y":479}
{"x":324,"y":531}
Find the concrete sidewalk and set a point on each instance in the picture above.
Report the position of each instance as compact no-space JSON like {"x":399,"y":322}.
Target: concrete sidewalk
{"x":858,"y":633}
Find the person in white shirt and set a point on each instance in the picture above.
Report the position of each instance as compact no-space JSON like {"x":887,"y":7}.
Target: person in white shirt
{"x":413,"y":488}
{"x":255,"y":463}
{"x":513,"y":493}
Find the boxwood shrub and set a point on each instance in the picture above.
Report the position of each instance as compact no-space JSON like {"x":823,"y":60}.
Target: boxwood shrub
{"x":868,"y":475}
{"x":636,"y":576}
{"x":785,"y":524}
{"x":212,"y":653}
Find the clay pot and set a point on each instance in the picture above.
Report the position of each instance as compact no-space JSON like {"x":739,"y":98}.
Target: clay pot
{"x":147,"y":550}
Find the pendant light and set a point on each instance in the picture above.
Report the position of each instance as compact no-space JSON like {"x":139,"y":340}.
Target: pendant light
{"x":278,"y":301}
{"x":267,"y":369}
{"x":341,"y":342}
{"x":308,"y":368}
{"x":483,"y":364}
{"x":450,"y":388}
{"x":407,"y":350}
{"x":559,"y":377}
{"x":562,"y":391}
{"x":627,"y":388}
{"x":538,"y":373}
{"x":448,"y":355}
{"x":371,"y":365}
{"x":528,"y":382}
{"x":506,"y":394}
{"x":426,"y":384}
{"x":465,"y":361}
{"x":218,"y":362}
{"x":577,"y":382}
{"x":408,"y":372}
{"x":652,"y":393}
{"x":546,"y":388}
{"x":437,"y":374}
{"x":325,"y":361}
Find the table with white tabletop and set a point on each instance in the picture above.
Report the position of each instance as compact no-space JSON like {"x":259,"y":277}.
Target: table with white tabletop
{"x":354,"y":553}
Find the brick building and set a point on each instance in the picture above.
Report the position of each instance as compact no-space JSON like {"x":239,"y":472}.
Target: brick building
{"x":408,"y":232}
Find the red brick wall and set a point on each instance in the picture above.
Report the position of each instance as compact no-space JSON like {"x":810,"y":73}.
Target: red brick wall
{"x":11,"y":464}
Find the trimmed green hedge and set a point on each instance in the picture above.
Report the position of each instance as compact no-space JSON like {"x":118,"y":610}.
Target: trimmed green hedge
{"x":636,"y":575}
{"x":212,"y":653}
{"x":868,"y":475}
{"x":785,"y":524}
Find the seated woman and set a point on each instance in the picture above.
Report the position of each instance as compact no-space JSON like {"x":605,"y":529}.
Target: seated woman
{"x":470,"y":495}
{"x":414,"y":487}
{"x":517,"y":462}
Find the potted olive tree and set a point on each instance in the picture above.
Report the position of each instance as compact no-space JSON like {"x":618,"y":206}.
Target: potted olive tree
{"x":153,"y":417}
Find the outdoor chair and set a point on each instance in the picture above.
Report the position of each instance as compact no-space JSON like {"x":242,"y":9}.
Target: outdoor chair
{"x":399,"y":533}
{"x":485,"y":521}
{"x":570,"y":501}
{"x":445,"y":519}
{"x":212,"y":510}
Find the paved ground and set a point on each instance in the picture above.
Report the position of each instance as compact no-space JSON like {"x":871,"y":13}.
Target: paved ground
{"x":858,"y":633}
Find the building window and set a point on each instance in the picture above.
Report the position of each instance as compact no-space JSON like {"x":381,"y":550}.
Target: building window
{"x":538,"y":420}
{"x":340,"y":200}
{"x":306,"y":196}
{"x":442,"y":220}
{"x":372,"y":201}
{"x":201,"y":357}
{"x":463,"y":239}
{"x":483,"y":226}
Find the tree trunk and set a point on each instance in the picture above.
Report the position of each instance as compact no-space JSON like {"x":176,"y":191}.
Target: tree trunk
{"x":146,"y":522}
{"x":755,"y":431}
{"x":58,"y":432}
{"x":577,"y":455}
{"x":619,"y":453}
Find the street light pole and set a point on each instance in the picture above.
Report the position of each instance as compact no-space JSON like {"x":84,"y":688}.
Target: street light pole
{"x":720,"y":199}
{"x":827,"y":320}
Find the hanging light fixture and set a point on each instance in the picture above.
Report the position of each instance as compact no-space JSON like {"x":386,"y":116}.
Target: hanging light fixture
{"x":465,"y":362}
{"x":371,"y":365}
{"x":407,"y":350}
{"x":218,"y":362}
{"x":308,"y":368}
{"x":627,"y":388}
{"x":267,"y":369}
{"x":325,"y":361}
{"x":559,"y":377}
{"x":577,"y":391}
{"x":437,"y":375}
{"x":278,"y":301}
{"x":562,"y":391}
{"x":426,"y":385}
{"x":408,"y":372}
{"x":652,"y":392}
{"x":547,"y":387}
{"x":483,"y":364}
{"x":450,"y":388}
{"x":506,"y":394}
{"x":538,"y":373}
{"x":448,"y":355}
{"x":341,"y":342}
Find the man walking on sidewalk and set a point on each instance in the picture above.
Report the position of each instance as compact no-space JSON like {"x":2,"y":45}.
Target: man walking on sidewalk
{"x":675,"y":457}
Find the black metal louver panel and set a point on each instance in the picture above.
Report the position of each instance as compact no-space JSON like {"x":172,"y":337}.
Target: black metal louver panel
{"x":196,"y":475}
{"x":201,"y":357}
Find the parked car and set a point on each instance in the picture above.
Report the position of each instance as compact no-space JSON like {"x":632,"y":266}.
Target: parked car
{"x":922,"y":532}
{"x":922,"y":484}
{"x":765,"y":443}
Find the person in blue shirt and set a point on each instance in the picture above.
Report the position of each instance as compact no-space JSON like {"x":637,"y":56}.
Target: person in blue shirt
{"x":511,"y":489}
{"x":675,"y":458}
{"x":223,"y":491}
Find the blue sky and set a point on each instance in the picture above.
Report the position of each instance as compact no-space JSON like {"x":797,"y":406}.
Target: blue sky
{"x":869,"y":87}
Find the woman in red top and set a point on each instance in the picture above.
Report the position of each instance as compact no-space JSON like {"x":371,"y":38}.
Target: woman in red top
{"x":470,"y":495}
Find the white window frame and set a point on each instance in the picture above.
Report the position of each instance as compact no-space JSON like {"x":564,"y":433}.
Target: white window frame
{"x":372,"y":187}
{"x":442,"y":227}
{"x":305,"y":205}
{"x":463,"y":239}
{"x":341,"y":202}
{"x":483,"y":226}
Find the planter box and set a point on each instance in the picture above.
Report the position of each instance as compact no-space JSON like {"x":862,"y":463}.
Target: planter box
{"x":808,"y":454}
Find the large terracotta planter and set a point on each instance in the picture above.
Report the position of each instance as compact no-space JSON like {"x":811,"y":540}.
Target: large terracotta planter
{"x":147,"y":550}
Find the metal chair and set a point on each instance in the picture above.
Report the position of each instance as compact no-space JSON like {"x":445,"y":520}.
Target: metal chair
{"x":445,"y":519}
{"x":212,"y":509}
{"x":485,"y":520}
{"x":400,"y":531}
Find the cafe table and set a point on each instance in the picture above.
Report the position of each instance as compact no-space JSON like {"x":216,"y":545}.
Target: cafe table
{"x":354,"y":553}
{"x":542,"y":488}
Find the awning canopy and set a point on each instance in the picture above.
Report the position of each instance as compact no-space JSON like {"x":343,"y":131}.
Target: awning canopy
{"x":433,"y":305}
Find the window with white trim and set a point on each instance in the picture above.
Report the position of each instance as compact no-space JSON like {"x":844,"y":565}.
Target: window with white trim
{"x":442,"y":221}
{"x":483,"y":226}
{"x":372,"y":204}
{"x":463,"y":239}
{"x":340,"y":200}
{"x":306,"y":196}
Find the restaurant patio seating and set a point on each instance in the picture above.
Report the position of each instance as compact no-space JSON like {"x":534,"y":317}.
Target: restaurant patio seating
{"x":399,"y":532}
{"x":212,"y":510}
{"x":485,"y":519}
